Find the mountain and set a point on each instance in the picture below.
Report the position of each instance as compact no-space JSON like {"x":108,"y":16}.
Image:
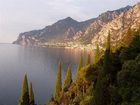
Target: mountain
{"x":61,"y":31}
{"x":69,"y":32}
{"x":119,"y":26}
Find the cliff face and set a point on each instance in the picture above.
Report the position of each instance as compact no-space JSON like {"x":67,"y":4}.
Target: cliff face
{"x":119,"y":26}
{"x":96,"y":26}
{"x":87,"y":32}
{"x":61,"y":31}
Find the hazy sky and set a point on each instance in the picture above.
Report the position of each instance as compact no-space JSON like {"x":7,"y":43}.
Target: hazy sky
{"x":18,"y":16}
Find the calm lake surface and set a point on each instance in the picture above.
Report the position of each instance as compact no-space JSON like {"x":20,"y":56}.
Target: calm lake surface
{"x":39,"y":63}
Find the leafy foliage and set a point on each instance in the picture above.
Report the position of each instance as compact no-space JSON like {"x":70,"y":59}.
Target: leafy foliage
{"x":129,"y":82}
{"x":132,"y":51}
{"x":114,"y":79}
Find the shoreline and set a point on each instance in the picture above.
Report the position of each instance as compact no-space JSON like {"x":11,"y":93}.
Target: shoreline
{"x":72,"y":47}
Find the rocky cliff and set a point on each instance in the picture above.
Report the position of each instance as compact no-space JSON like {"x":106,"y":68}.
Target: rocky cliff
{"x":119,"y":26}
{"x":90,"y":32}
{"x":60,"y":32}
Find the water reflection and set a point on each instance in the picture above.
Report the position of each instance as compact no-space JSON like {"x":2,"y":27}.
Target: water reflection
{"x":39,"y":63}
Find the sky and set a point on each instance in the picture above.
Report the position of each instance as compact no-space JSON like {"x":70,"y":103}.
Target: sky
{"x":17,"y":16}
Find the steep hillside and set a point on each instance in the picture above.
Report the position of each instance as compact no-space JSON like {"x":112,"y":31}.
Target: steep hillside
{"x":61,"y":31}
{"x":112,"y":80}
{"x":71,"y":31}
{"x":99,"y":23}
{"x":118,"y":27}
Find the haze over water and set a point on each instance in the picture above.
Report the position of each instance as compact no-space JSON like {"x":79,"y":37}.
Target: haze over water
{"x":39,"y":63}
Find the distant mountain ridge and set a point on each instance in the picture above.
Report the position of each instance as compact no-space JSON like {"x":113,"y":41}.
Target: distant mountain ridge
{"x":119,"y":26}
{"x":63,"y":29}
{"x":71,"y":32}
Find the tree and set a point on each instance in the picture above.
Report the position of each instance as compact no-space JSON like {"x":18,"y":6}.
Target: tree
{"x":128,"y":82}
{"x":101,"y":96}
{"x":58,"y":86}
{"x":68,"y":78}
{"x":131,"y":51}
{"x":108,"y":43}
{"x":31,"y":95}
{"x":79,"y":67}
{"x":88,"y":59}
{"x":107,"y":62}
{"x":25,"y":92}
{"x":97,"y":54}
{"x":129,"y":36}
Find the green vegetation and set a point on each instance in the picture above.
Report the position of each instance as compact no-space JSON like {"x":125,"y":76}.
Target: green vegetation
{"x":79,"y":67}
{"x":31,"y":95}
{"x":101,"y":96}
{"x":113,"y":79}
{"x":58,"y":85}
{"x":25,"y":92}
{"x":26,"y":98}
{"x":68,"y":78}
{"x":97,"y":54}
{"x":88,"y":60}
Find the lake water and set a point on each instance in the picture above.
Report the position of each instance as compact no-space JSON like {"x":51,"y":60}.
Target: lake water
{"x":39,"y":63}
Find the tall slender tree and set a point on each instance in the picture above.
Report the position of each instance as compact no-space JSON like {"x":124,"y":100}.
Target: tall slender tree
{"x":101,"y":95}
{"x":25,"y":92}
{"x":108,"y":43}
{"x":68,"y":78}
{"x":107,"y":63}
{"x":88,"y":59}
{"x":97,"y":54}
{"x":31,"y":95}
{"x":80,"y":65}
{"x":58,"y":85}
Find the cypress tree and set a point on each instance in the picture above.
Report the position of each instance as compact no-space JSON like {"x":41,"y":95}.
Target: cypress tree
{"x":68,"y":78}
{"x":106,"y":65}
{"x":31,"y":95}
{"x":129,"y":36}
{"x":101,"y":96}
{"x":108,"y":41}
{"x":58,"y":86}
{"x":25,"y":92}
{"x":97,"y":54}
{"x":80,"y":65}
{"x":88,"y":59}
